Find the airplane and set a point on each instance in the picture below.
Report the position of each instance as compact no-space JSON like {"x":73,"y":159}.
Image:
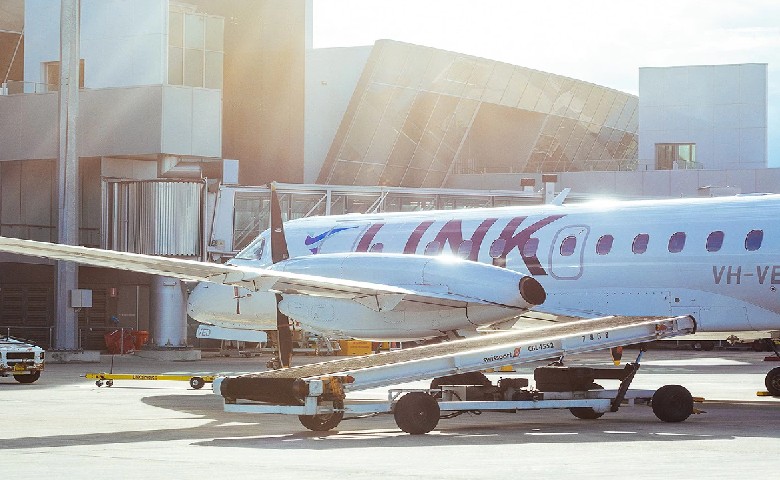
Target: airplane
{"x":426,"y":274}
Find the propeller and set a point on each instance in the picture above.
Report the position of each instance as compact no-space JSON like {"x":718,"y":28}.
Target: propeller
{"x":280,"y":253}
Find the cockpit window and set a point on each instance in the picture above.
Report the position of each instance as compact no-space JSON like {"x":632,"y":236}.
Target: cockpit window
{"x":253,"y":251}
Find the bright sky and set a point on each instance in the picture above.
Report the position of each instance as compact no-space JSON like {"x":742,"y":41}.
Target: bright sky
{"x":600,"y":41}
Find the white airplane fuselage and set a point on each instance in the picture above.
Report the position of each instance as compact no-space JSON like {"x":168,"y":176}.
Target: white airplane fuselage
{"x":715,"y":259}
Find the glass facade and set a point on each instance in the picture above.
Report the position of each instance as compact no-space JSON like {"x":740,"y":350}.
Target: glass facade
{"x":419,"y":114}
{"x":195,"y":48}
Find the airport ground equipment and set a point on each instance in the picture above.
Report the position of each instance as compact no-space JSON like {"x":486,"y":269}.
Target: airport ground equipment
{"x":195,"y":381}
{"x":317,"y":392}
{"x":20,"y":359}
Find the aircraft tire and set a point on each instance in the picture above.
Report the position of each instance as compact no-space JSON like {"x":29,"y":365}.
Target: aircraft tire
{"x":324,"y":422}
{"x":587,"y":413}
{"x":28,"y":378}
{"x":672,"y":403}
{"x":772,"y":381}
{"x":416,"y":413}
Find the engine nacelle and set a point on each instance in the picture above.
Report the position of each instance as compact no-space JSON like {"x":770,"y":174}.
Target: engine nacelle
{"x":452,"y":277}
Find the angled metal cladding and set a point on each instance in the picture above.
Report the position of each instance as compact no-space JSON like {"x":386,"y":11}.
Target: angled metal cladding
{"x":419,"y":114}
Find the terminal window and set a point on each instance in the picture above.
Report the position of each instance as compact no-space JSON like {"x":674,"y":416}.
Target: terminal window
{"x":674,"y":156}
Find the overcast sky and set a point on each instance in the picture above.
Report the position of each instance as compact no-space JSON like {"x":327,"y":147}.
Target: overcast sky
{"x":600,"y":41}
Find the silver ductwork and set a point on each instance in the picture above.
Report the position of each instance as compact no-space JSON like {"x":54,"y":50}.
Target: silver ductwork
{"x":154,"y":217}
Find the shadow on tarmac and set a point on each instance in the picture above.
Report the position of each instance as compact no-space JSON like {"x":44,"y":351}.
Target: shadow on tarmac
{"x":724,"y":421}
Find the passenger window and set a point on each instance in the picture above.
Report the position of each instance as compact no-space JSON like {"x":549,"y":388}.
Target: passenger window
{"x":464,"y":250}
{"x":640,"y":243}
{"x":377,"y":247}
{"x":530,"y":247}
{"x":497,"y":248}
{"x":753,"y":240}
{"x":677,"y":242}
{"x":433,"y":248}
{"x":714,"y":241}
{"x":604,"y":244}
{"x":568,"y":245}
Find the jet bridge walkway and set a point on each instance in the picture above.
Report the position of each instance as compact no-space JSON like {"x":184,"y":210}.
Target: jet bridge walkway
{"x":317,"y":392}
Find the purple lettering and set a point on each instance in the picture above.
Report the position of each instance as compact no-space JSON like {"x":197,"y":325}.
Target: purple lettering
{"x":452,"y":233}
{"x":368,"y":237}
{"x":414,"y":238}
{"x":517,"y":240}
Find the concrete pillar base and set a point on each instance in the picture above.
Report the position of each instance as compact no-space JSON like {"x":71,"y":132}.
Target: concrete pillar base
{"x":72,"y":356}
{"x":170,"y":354}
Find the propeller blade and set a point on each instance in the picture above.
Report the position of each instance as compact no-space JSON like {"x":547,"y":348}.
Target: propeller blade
{"x":278,"y":241}
{"x":284,"y":331}
{"x":280,"y":253}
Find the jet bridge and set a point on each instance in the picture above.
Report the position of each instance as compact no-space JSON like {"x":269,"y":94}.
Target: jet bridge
{"x":317,"y":392}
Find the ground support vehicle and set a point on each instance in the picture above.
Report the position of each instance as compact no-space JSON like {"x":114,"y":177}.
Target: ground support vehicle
{"x":20,"y":359}
{"x":317,"y":392}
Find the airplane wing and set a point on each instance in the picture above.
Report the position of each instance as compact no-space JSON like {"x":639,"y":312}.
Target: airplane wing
{"x":377,"y":296}
{"x":191,"y":270}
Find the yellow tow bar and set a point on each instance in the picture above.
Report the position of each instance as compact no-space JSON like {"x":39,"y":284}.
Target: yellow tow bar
{"x":196,"y":381}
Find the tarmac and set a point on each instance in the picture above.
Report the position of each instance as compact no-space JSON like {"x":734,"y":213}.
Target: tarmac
{"x":64,"y":426}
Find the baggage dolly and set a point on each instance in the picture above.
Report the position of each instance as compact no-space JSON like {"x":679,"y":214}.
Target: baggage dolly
{"x":317,"y":393}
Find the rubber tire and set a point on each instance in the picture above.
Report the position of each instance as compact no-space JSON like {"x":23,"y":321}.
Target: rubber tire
{"x":672,"y":403}
{"x":28,"y":378}
{"x":587,"y":413}
{"x":772,"y":381}
{"x":416,"y":413}
{"x":323,"y":423}
{"x":109,"y":383}
{"x":197,"y":383}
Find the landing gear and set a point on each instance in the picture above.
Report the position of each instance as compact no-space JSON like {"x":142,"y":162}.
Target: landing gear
{"x":772,"y":381}
{"x":672,"y":403}
{"x":416,"y":413}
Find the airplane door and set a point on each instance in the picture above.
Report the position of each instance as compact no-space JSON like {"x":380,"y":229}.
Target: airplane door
{"x":567,"y":251}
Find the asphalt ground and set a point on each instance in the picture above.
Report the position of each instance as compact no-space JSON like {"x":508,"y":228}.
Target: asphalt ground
{"x":64,"y":426}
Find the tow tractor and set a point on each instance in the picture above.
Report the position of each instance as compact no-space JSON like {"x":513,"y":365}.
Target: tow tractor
{"x":317,"y":392}
{"x":21,"y":359}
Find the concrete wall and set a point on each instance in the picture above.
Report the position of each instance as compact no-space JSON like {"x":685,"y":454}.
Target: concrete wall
{"x":331,"y":77}
{"x":148,"y":120}
{"x":720,"y":108}
{"x":123,"y":42}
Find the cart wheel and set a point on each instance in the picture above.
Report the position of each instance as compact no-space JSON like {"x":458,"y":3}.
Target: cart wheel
{"x":197,"y":383}
{"x":416,"y":413}
{"x":99,"y":383}
{"x":587,"y":413}
{"x":672,"y":403}
{"x":325,"y":422}
{"x":109,"y":383}
{"x":28,"y":378}
{"x":772,"y":381}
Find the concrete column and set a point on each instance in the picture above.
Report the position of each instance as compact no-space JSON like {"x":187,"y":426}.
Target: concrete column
{"x":66,"y":323}
{"x":168,"y":312}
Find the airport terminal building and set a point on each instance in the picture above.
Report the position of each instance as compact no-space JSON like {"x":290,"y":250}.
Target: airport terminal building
{"x":183,"y":104}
